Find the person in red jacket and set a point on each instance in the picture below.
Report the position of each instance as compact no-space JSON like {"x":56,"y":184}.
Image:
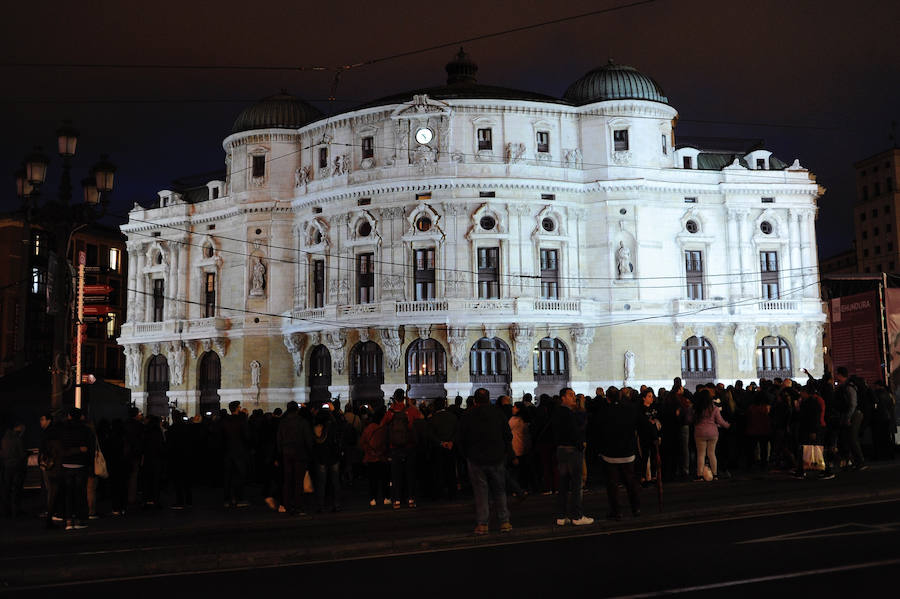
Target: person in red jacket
{"x":402,"y":442}
{"x":374,"y":443}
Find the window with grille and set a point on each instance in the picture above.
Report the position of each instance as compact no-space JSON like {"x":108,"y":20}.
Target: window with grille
{"x":158,"y":299}
{"x":424,"y":274}
{"x":210,"y":295}
{"x":488,"y":273}
{"x":368,"y":147}
{"x":693,"y":268}
{"x":549,"y":274}
{"x":620,"y":140}
{"x":768,"y":267}
{"x":318,"y":285}
{"x":259,"y":166}
{"x":665,"y":145}
{"x":697,"y":358}
{"x":550,"y":360}
{"x":484,"y":140}
{"x":365,"y":278}
{"x":323,"y":157}
{"x":773,"y":358}
{"x":543,"y":141}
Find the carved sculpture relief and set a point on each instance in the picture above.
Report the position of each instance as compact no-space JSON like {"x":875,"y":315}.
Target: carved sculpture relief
{"x":176,"y":362}
{"x":334,"y":340}
{"x":424,"y":331}
{"x":455,"y":283}
{"x":295,"y":343}
{"x":583,"y":337}
{"x":572,"y":158}
{"x":523,"y":345}
{"x":258,"y":278}
{"x":514,"y":152}
{"x":302,"y":176}
{"x":393,"y":287}
{"x":629,"y":367}
{"x":745,"y":344}
{"x":807,"y":340}
{"x":624,"y":267}
{"x":459,"y":348}
{"x":255,"y":368}
{"x":340,"y":290}
{"x":391,"y":340}
{"x":621,"y":158}
{"x":341,"y":165}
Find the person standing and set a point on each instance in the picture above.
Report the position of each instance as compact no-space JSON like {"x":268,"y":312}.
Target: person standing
{"x":294,"y":443}
{"x":708,"y":419}
{"x":374,"y":445}
{"x":402,"y":439}
{"x":178,"y":450}
{"x":77,"y":459}
{"x":326,"y":453}
{"x":50,"y":462}
{"x":851,"y":419}
{"x":235,"y":440}
{"x":133,"y":451}
{"x":568,"y":427}
{"x":486,"y":442}
{"x":442,"y":429}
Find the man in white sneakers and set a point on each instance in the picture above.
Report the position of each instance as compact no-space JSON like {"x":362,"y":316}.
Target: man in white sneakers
{"x":568,"y":426}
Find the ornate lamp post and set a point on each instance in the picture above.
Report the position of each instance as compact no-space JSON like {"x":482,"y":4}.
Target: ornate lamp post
{"x":63,"y":219}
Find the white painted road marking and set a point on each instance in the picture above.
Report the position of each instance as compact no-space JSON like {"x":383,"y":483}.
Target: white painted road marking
{"x":838,"y":530}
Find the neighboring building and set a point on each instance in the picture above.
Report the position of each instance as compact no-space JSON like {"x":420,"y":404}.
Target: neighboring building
{"x":469,"y":235}
{"x":840,"y":264}
{"x":875,"y":214}
{"x":32,"y":343}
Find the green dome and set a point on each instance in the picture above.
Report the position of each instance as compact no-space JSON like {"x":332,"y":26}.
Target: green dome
{"x":281,"y":111}
{"x":614,"y":82}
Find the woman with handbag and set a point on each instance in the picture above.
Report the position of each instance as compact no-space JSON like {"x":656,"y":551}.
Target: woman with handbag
{"x":812,"y":433}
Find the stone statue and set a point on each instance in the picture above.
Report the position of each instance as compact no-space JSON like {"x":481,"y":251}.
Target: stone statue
{"x":258,"y":280}
{"x":254,"y":373}
{"x":302,"y":176}
{"x":514,"y":152}
{"x":629,"y":366}
{"x":176,"y":359}
{"x":623,"y":261}
{"x":340,"y":166}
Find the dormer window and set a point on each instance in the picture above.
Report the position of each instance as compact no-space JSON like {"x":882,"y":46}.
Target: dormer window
{"x":485,"y":141}
{"x":323,"y":157}
{"x":620,"y":140}
{"x":259,"y":166}
{"x":215,"y":193}
{"x":665,"y":145}
{"x":368,"y":147}
{"x":688,"y":162}
{"x":760,"y":164}
{"x":543,"y":141}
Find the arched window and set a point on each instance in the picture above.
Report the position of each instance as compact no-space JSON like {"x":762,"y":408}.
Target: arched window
{"x":551,"y":366}
{"x":209,"y":379}
{"x":698,"y":361}
{"x":157,"y":386}
{"x":366,"y":372}
{"x":319,"y":373}
{"x":426,"y":369}
{"x":489,"y":365}
{"x":773,"y":358}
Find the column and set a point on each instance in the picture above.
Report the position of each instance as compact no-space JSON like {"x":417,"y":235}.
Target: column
{"x":171,"y":286}
{"x":131,"y":284}
{"x":734,"y":255}
{"x":181,"y":308}
{"x":796,"y":274}
{"x":808,"y":254}
{"x":140,"y":299}
{"x":749,"y":268}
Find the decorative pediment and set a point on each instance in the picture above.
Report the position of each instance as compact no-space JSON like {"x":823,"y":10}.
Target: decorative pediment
{"x":556,"y":220}
{"x":428,"y":229}
{"x":478,"y":230}
{"x":157,"y":256}
{"x":779,"y":225}
{"x":209,"y":252}
{"x":421,"y":106}
{"x":314,"y":233}
{"x":357,"y":225}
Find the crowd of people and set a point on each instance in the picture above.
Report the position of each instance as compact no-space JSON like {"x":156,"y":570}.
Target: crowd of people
{"x":303,"y":458}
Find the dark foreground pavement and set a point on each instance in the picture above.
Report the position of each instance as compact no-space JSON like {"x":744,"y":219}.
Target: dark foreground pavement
{"x":700,"y":539}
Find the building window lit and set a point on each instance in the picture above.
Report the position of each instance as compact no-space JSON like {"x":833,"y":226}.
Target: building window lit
{"x":114,"y":256}
{"x":37,"y":243}
{"x":489,"y":273}
{"x":210,"y":296}
{"x":484,"y":139}
{"x":424,"y":274}
{"x":549,"y":274}
{"x":368,"y":147}
{"x":38,"y":281}
{"x":768,"y":266}
{"x":693,"y":268}
{"x":620,"y":140}
{"x":365,"y":278}
{"x":543,"y":141}
{"x":111,"y":325}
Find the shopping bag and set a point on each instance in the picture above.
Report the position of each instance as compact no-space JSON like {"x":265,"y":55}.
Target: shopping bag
{"x":813,"y":458}
{"x":307,"y":483}
{"x":100,"y":469}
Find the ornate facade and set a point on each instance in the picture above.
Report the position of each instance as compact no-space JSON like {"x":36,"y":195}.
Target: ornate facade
{"x":469,"y":235}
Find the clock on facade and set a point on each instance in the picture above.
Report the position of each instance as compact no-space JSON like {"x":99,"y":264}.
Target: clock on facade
{"x":424,"y":135}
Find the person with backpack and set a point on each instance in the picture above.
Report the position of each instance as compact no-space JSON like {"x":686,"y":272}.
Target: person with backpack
{"x":402,"y":442}
{"x":851,"y":419}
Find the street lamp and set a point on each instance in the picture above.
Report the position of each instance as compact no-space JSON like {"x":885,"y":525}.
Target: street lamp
{"x":91,"y":193}
{"x":104,"y":172}
{"x":36,"y":167}
{"x":67,"y":139}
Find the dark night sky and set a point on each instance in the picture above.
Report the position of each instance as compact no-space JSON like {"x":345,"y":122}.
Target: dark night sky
{"x":828,"y":68}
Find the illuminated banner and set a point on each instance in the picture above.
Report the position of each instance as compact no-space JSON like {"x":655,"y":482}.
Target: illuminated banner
{"x":855,"y":334}
{"x":892,"y":299}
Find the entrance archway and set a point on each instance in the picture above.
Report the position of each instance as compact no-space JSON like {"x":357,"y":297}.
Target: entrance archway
{"x":489,"y":361}
{"x":319,"y":374}
{"x":773,"y":358}
{"x":426,"y":369}
{"x":210,"y":381}
{"x":366,"y":373}
{"x":551,"y":366}
{"x":157,"y":386}
{"x":698,"y":362}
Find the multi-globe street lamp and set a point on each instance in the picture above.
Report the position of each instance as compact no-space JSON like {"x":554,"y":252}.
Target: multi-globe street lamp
{"x":63,"y":218}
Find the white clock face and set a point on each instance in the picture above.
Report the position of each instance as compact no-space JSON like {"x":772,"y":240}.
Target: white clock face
{"x":424,"y":135}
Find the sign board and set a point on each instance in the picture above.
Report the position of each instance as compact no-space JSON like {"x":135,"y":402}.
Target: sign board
{"x":82,"y":258}
{"x":892,"y":301}
{"x":856,"y":334}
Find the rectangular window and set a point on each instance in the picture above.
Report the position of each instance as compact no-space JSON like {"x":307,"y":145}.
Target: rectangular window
{"x":665,"y":144}
{"x":543,"y":141}
{"x":91,"y":255}
{"x":115,"y":292}
{"x":550,"y":274}
{"x":890,"y":246}
{"x":259,"y":166}
{"x":158,"y":299}
{"x":687,"y":162}
{"x":363,"y":201}
{"x":115,"y":255}
{"x":365,"y":278}
{"x":38,"y":281}
{"x":210,"y":296}
{"x":875,"y":231}
{"x":215,"y":193}
{"x":484,"y":140}
{"x":423,"y":196}
{"x":112,"y":364}
{"x":768,"y":266}
{"x":368,"y":147}
{"x":760,"y":164}
{"x":424,"y":274}
{"x":487,"y":194}
{"x":768,"y":200}
{"x":887,"y":209}
{"x":690,"y":200}
{"x":620,"y":140}
{"x":37,"y":243}
{"x":865,"y":252}
{"x":488,"y":273}
{"x":323,"y":157}
{"x":318,"y":285}
{"x":862,"y":216}
{"x":693,"y":268}
{"x":877,"y":249}
{"x":111,"y":323}
{"x":548,"y":196}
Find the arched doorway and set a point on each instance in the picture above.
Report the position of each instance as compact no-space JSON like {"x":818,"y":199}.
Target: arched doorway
{"x":489,"y":366}
{"x":426,"y":369}
{"x":698,"y":362}
{"x":319,"y":374}
{"x":157,"y":386}
{"x":773,"y":358}
{"x":551,"y":366}
{"x":366,"y":372}
{"x":210,"y":381}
